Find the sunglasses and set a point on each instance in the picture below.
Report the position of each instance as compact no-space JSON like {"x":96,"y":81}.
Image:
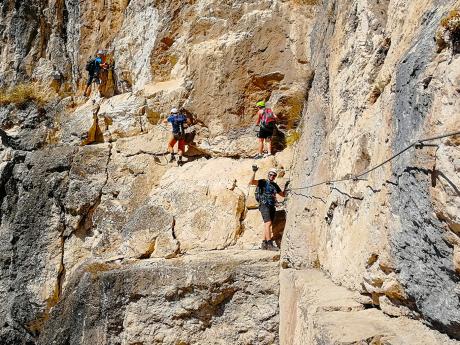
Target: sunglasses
{"x":271,"y":175}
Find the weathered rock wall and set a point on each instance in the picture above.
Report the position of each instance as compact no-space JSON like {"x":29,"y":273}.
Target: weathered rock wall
{"x":204,"y":299}
{"x":103,"y":241}
{"x":380,"y":83}
{"x":218,"y":58}
{"x":74,"y":214}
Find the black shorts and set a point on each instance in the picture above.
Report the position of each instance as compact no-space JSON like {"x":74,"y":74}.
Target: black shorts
{"x":267,"y":212}
{"x":265,"y":133}
{"x":91,"y":78}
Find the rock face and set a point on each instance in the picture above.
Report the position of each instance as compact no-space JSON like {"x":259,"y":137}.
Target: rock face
{"x":316,"y":311}
{"x":214,"y":59}
{"x":104,"y":241}
{"x":207,"y":299}
{"x":381,"y":83}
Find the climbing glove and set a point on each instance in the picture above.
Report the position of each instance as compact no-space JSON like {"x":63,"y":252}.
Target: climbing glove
{"x":255,"y":168}
{"x":286,"y":185}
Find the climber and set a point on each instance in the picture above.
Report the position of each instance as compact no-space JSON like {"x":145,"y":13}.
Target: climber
{"x":266,"y":119}
{"x":266,"y":196}
{"x":93,"y":66}
{"x":178,"y":133}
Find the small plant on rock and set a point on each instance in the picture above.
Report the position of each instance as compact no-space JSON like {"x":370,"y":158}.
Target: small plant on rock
{"x":292,"y":137}
{"x":448,"y":33}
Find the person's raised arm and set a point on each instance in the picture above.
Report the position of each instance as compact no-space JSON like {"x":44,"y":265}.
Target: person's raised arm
{"x":253,"y":180}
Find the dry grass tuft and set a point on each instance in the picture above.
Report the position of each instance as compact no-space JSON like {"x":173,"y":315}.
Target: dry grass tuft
{"x":306,"y":2}
{"x":452,"y":21}
{"x":449,"y":30}
{"x":20,"y":95}
{"x":378,"y":88}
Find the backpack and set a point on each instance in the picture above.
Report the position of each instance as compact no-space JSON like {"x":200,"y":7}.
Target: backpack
{"x":268,"y":119}
{"x":260,"y":191}
{"x":90,"y":64}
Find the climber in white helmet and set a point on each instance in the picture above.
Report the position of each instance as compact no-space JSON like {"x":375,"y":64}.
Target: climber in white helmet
{"x":266,"y":196}
{"x":177,"y":122}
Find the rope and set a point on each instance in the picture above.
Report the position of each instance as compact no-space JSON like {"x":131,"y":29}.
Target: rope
{"x":417,"y":144}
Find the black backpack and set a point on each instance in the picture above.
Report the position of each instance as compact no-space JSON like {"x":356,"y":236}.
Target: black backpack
{"x":260,"y":191}
{"x":90,"y":64}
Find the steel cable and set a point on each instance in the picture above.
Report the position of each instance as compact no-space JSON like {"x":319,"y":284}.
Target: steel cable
{"x":358,"y":176}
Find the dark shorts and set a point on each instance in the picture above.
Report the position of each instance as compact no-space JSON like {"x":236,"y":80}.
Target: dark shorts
{"x":265,"y":133}
{"x":267,"y":212}
{"x":91,"y":78}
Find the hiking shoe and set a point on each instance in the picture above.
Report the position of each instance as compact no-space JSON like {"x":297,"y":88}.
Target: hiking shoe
{"x":172,"y":158}
{"x":272,"y":246}
{"x":263,"y":246}
{"x":258,"y":156}
{"x":180,"y":161}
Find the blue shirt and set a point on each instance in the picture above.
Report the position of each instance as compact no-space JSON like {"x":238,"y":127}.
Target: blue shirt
{"x":177,"y":122}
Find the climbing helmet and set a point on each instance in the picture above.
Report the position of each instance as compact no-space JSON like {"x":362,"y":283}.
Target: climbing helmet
{"x":273,"y":171}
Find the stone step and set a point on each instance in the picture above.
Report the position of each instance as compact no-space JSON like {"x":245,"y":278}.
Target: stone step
{"x":315,"y":311}
{"x":217,"y":297}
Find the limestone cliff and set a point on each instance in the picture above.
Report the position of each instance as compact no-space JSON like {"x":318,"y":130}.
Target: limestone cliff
{"x":102,"y":241}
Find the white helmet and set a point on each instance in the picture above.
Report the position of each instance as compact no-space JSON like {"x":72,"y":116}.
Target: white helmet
{"x":174,"y":111}
{"x":273,"y":171}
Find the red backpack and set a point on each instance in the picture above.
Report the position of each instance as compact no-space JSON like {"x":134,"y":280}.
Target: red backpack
{"x":268,"y":119}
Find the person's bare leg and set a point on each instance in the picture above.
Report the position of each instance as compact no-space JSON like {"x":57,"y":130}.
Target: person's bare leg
{"x":269,"y":144}
{"x":261,"y":146}
{"x":181,"y":148}
{"x":171,"y":144}
{"x":271,"y":231}
{"x":267,"y":230}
